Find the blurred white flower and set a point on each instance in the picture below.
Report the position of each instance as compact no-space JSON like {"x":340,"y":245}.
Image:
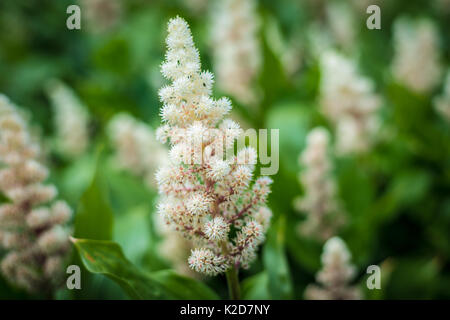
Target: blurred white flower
{"x":32,"y":233}
{"x":336,"y":274}
{"x":237,"y":51}
{"x":416,"y":61}
{"x":324,"y":215}
{"x":71,"y":120}
{"x":349,"y":101}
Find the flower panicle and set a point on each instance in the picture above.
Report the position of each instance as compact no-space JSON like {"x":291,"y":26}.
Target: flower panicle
{"x":324,"y":214}
{"x":416,"y":61}
{"x":204,"y":195}
{"x":336,"y":274}
{"x":71,"y":120}
{"x":349,"y":101}
{"x":32,"y":231}
{"x":237,"y":51}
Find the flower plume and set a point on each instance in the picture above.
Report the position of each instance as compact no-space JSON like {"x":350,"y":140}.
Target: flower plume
{"x":237,"y":52}
{"x":348,"y":100}
{"x":335,"y":275}
{"x":324,"y":214}
{"x":416,"y":62}
{"x":204,"y":195}
{"x":32,"y":231}
{"x":71,"y":120}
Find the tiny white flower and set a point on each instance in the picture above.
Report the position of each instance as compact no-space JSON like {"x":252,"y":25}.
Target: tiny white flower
{"x":198,"y":204}
{"x":218,"y":169}
{"x":217,"y":229}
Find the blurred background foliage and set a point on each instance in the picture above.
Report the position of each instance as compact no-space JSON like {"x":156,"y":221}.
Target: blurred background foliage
{"x":397,"y":195}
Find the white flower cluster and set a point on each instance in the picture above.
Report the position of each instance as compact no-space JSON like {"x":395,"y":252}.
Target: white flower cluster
{"x":442,"y":102}
{"x":32,"y":233}
{"x":209,"y":199}
{"x":137,"y":149}
{"x":71,"y":120}
{"x":416,"y":62}
{"x":324,"y":215}
{"x":336,"y":274}
{"x":348,"y":100}
{"x":237,"y":52}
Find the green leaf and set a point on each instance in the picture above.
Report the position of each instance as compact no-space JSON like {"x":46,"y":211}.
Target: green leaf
{"x":306,"y":252}
{"x":293,"y":121}
{"x":256,"y":287}
{"x":126,"y":190}
{"x":181,"y":287}
{"x":107,"y":258}
{"x":413,"y":279}
{"x":94,"y":218}
{"x":132,"y":232}
{"x":113,"y":56}
{"x":3,"y":198}
{"x":75,"y":178}
{"x":276,"y":264}
{"x":272,"y":79}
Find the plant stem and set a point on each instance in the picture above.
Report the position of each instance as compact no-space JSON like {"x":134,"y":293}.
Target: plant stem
{"x":233,"y":284}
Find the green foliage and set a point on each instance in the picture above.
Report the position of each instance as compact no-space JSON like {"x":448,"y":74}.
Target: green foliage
{"x":94,"y":217}
{"x":107,"y":258}
{"x":275,"y":262}
{"x":256,"y":287}
{"x":396,"y":196}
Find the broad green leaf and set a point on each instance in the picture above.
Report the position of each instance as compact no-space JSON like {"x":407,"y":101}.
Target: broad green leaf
{"x":107,"y":258}
{"x":256,"y":287}
{"x":76,"y":177}
{"x":94,"y":217}
{"x":182,"y":287}
{"x":409,"y":187}
{"x":293,"y":121}
{"x":276,"y":264}
{"x":126,"y":190}
{"x":306,"y":252}
{"x":113,"y":56}
{"x":132,"y":232}
{"x":272,"y":79}
{"x":355,"y":187}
